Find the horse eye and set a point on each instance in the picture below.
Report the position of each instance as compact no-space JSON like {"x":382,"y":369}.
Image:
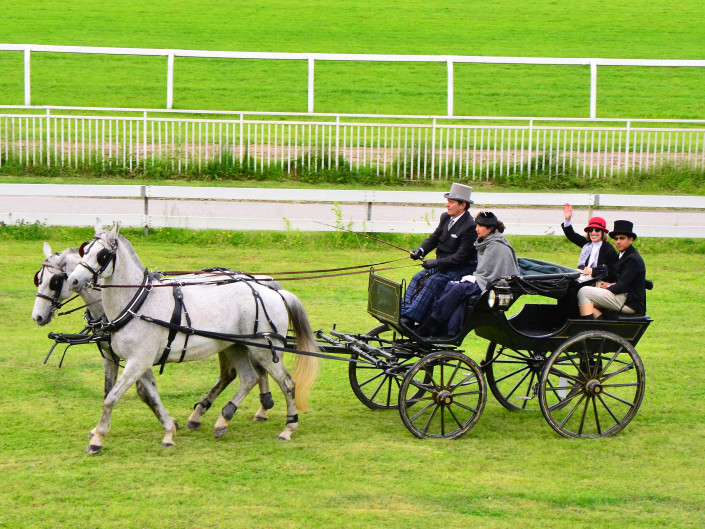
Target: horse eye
{"x":36,"y":279}
{"x":82,"y":249}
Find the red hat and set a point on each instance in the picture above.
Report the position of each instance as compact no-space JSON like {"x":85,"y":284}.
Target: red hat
{"x":599,"y":223}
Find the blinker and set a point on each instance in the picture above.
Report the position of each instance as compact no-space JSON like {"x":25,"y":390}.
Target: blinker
{"x":82,"y":248}
{"x":104,"y":257}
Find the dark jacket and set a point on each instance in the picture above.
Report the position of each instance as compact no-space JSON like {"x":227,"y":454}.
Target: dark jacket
{"x":606,"y":257}
{"x":454,"y":248}
{"x":631,"y":279}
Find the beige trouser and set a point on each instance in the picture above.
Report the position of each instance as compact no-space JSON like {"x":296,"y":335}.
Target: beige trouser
{"x":604,"y":299}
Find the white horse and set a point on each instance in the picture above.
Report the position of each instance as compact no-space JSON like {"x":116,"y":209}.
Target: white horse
{"x":213,"y":316}
{"x":52,"y":291}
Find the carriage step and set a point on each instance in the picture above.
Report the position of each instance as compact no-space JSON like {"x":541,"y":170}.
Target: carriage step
{"x":526,"y":398}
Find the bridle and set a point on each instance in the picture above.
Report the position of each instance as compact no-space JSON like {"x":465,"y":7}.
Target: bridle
{"x":104,"y":258}
{"x":56,"y":284}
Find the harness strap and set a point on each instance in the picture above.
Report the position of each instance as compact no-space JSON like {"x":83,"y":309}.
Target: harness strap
{"x":242,"y":339}
{"x":175,"y":320}
{"x":135,"y":304}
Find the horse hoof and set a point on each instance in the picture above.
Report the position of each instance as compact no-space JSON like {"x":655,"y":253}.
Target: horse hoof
{"x":193,"y":425}
{"x":282,"y":438}
{"x":93,"y":449}
{"x":220,"y":432}
{"x":257,"y":418}
{"x":167,"y":444}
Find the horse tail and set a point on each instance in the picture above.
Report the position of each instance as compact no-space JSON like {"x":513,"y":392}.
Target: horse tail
{"x":305,"y":368}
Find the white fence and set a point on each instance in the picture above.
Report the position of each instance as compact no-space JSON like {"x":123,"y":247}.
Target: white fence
{"x":472,"y":148}
{"x":311,"y":58}
{"x":657,"y":221}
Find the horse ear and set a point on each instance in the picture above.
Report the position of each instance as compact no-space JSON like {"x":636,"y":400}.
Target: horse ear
{"x":47,"y":250}
{"x":116,"y":228}
{"x":98,"y":226}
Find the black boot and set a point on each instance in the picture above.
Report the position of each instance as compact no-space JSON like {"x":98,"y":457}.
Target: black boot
{"x":430,"y":327}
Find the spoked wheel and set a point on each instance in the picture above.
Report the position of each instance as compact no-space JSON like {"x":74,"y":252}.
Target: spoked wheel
{"x":592,"y":385}
{"x":512,"y":375}
{"x":378,"y":387}
{"x":442,"y":395}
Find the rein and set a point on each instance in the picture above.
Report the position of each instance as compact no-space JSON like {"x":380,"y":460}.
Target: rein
{"x":216,"y":271}
{"x":257,"y":280}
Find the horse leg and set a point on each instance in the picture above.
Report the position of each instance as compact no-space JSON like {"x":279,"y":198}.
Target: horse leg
{"x":265,"y":396}
{"x":110,"y":369}
{"x":133,"y":370}
{"x":227,"y":375}
{"x":147,"y":391}
{"x":286,"y":383}
{"x":248,"y":380}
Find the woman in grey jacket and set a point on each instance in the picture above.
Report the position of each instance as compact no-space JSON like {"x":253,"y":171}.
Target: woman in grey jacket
{"x":495,"y":259}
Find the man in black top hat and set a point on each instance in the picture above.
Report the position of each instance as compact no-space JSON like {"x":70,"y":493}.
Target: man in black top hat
{"x":628,"y":294}
{"x":456,"y":256}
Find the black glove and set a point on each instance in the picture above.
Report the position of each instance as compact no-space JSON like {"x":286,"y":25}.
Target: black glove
{"x":416,"y":254}
{"x":430,"y":263}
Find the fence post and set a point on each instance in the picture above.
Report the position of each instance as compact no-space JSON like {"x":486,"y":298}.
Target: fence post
{"x":337,"y":140}
{"x":626,"y":149}
{"x":593,"y":88}
{"x":170,"y":80}
{"x":531,"y":132}
{"x":450,"y":88}
{"x":27,"y":77}
{"x":144,"y":142}
{"x":433,"y":149}
{"x":48,"y":112}
{"x":143,"y":192}
{"x":310,"y":83}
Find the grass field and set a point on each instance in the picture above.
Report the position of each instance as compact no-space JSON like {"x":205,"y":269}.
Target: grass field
{"x":631,"y":29}
{"x":346,"y":466}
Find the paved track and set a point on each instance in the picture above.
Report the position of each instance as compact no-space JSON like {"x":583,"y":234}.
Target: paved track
{"x":326,"y":212}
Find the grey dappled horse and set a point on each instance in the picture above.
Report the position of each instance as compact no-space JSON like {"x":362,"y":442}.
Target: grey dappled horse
{"x":238,"y":308}
{"x":52,"y":291}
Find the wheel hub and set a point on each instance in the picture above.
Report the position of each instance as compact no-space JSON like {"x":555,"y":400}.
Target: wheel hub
{"x":444,"y":398}
{"x":593,"y":387}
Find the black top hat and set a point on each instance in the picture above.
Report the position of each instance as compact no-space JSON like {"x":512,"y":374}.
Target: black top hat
{"x":487,"y":219}
{"x":623,"y":227}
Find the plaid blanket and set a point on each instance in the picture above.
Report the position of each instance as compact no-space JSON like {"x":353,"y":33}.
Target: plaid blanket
{"x":426,"y":287}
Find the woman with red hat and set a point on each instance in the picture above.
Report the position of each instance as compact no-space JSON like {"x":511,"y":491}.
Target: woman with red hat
{"x":597,"y":258}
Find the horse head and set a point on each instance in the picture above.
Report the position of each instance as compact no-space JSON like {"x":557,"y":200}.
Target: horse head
{"x":52,"y":287}
{"x":97,"y":256}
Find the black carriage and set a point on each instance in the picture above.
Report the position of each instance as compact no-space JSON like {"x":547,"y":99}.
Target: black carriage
{"x":584,"y":375}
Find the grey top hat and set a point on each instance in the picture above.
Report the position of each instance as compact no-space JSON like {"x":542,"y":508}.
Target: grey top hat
{"x":623,"y":227}
{"x":460,"y":192}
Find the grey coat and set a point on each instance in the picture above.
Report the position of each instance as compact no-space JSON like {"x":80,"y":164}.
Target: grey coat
{"x":495,"y":259}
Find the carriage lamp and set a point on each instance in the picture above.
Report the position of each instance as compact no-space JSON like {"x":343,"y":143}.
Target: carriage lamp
{"x":500,"y":296}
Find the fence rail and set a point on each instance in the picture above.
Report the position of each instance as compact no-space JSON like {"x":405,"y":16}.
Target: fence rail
{"x":660,"y":223}
{"x":311,"y":58}
{"x":471,"y":149}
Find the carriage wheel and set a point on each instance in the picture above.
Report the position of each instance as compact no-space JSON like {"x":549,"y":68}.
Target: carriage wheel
{"x":592,"y":385}
{"x":512,"y":376}
{"x":378,"y":387}
{"x":442,"y":395}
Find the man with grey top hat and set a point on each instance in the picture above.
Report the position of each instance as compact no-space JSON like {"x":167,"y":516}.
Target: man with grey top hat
{"x":456,"y":256}
{"x":628,"y":294}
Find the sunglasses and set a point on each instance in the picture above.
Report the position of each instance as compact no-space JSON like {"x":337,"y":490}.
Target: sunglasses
{"x":589,"y":230}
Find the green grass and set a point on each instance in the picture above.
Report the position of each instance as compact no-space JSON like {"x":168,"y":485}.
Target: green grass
{"x":346,"y":465}
{"x":667,"y":30}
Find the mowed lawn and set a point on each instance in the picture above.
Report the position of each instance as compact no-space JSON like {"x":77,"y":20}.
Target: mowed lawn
{"x":347,"y":465}
{"x":630,"y":29}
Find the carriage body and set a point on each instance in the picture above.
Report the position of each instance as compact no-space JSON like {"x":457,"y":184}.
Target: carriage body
{"x":584,"y":375}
